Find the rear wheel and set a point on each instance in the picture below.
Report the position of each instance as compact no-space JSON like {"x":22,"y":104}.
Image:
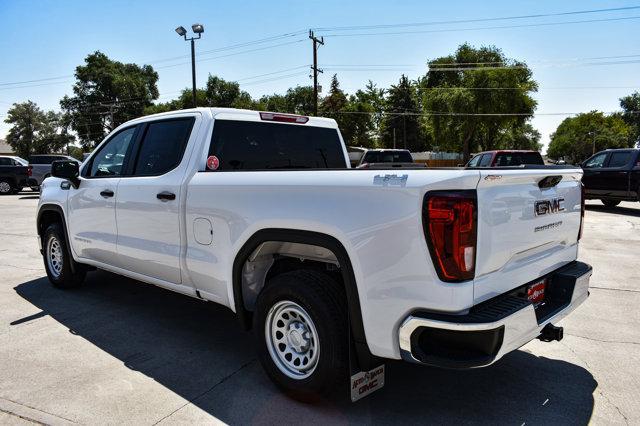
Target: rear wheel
{"x":62,"y":270}
{"x":300,"y":327}
{"x":610,"y":203}
{"x":6,"y":187}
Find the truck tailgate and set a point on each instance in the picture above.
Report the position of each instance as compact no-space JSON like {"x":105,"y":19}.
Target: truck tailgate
{"x":526,"y":228}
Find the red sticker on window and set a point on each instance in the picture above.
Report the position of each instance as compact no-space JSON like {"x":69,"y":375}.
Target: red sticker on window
{"x":213,"y":163}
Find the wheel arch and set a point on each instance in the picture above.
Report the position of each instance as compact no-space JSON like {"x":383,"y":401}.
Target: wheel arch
{"x":301,"y":237}
{"x":48,"y":214}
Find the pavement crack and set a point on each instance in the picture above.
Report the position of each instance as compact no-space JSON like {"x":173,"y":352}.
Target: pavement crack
{"x":604,"y":341}
{"x":35,"y":409}
{"x":606,"y":398}
{"x":615,"y":289}
{"x":219,"y":382}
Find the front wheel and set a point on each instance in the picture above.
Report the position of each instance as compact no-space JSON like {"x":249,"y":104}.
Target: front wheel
{"x":610,"y":203}
{"x":62,"y":270}
{"x":300,"y":327}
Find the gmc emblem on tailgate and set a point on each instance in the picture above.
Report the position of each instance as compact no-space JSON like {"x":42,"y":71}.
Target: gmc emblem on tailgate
{"x":555,"y":205}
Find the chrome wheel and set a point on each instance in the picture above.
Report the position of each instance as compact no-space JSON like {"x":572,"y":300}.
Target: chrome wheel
{"x":292,"y":339}
{"x":5,"y":187}
{"x":54,"y":256}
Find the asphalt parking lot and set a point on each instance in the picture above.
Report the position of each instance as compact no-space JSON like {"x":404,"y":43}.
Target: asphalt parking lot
{"x":119,"y":351}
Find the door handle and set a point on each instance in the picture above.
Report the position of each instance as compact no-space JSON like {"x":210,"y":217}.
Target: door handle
{"x":166,"y":196}
{"x":107,"y":193}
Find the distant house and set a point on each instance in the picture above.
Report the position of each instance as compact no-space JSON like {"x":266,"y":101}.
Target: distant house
{"x":5,"y":149}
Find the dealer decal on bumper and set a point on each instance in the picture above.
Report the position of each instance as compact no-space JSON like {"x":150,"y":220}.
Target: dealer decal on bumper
{"x":365,"y":382}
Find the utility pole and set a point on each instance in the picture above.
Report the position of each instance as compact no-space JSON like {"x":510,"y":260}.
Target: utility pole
{"x":316,"y":42}
{"x":404,"y":128}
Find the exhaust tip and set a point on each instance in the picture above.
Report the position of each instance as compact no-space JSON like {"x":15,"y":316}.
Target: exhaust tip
{"x":551,"y":333}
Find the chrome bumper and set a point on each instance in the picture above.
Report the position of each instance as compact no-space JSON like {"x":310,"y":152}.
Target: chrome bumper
{"x":515,"y":330}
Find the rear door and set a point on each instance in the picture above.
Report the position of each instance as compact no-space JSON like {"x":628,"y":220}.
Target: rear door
{"x":524,"y":231}
{"x":148,"y":210}
{"x":615,"y":174}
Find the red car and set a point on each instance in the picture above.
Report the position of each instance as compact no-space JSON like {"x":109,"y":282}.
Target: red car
{"x":505,"y":158}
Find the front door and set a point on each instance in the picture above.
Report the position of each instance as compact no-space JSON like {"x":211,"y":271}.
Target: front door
{"x":91,"y":207}
{"x":592,"y":178}
{"x":148,"y":210}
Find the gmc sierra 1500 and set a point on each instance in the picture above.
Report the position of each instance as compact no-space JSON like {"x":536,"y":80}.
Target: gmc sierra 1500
{"x":334,"y":269}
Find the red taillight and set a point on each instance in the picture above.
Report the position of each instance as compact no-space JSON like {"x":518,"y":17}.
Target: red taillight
{"x":450,"y":225}
{"x":29,"y":170}
{"x":582,"y":208}
{"x":285,"y":118}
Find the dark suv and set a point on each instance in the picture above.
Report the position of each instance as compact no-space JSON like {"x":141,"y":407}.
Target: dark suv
{"x":612,"y":176}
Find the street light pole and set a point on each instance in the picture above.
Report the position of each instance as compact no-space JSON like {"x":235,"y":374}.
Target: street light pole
{"x":197,"y":29}
{"x":193,"y":71}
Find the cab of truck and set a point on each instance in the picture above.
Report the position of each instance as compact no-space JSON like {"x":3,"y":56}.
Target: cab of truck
{"x":506,"y":158}
{"x":612,"y":176}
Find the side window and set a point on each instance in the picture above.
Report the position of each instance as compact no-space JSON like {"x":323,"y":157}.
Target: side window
{"x":486,"y":160}
{"x":110,"y":159}
{"x":619,"y":159}
{"x":162,"y":146}
{"x":474,"y":161}
{"x":596,"y":162}
{"x":4,"y":161}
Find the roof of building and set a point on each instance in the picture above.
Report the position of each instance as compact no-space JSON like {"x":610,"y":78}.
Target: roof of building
{"x":5,"y":148}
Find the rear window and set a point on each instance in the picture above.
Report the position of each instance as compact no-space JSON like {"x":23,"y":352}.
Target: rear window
{"x":505,"y":159}
{"x":387,"y":157}
{"x":249,"y":145}
{"x":619,"y":159}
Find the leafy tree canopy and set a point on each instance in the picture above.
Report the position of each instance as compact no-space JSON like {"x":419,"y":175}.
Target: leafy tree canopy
{"x":631,"y":115}
{"x":576,"y":138}
{"x":472,"y":82}
{"x":106,"y":94}
{"x":35,"y":131}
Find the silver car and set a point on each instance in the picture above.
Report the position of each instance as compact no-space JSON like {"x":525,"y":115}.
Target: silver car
{"x":42,"y":167}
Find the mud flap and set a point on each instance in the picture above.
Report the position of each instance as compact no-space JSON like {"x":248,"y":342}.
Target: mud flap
{"x":365,"y":382}
{"x":362,"y":383}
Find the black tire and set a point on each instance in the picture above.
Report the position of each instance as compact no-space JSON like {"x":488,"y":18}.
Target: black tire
{"x":65,"y":272}
{"x":610,"y":203}
{"x":324,"y":301}
{"x":6,"y":187}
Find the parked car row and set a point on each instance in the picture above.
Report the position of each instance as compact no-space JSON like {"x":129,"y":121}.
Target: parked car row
{"x":17,"y":173}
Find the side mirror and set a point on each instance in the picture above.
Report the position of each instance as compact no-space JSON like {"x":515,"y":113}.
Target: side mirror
{"x":66,"y":169}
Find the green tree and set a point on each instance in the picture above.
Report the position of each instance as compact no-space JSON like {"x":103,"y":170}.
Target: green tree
{"x":519,"y":137}
{"x":576,"y":138}
{"x":221,"y":93}
{"x":471,"y":97}
{"x":35,"y":131}
{"x":335,"y":101}
{"x":631,"y":115}
{"x":106,"y":94}
{"x":402,"y":117}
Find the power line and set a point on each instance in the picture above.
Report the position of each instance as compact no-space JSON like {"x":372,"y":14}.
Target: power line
{"x":443,"y":30}
{"x":466,"y":21}
{"x":270,"y":73}
{"x":233,"y":54}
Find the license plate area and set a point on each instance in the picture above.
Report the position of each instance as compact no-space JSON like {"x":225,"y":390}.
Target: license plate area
{"x":536,"y":292}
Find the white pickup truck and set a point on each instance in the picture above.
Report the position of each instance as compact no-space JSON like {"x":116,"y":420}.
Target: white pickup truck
{"x":335,"y":269}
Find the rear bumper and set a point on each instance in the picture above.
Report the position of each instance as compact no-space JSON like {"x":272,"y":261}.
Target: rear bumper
{"x":495,"y":327}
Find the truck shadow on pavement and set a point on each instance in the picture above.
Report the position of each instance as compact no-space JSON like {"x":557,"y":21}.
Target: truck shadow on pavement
{"x":625,"y":211}
{"x":199,"y":351}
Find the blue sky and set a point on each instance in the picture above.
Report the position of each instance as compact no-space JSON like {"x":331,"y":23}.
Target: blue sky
{"x":44,"y":39}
